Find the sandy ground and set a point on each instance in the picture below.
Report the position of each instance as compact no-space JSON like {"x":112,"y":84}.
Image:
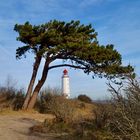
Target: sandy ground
{"x":15,"y":125}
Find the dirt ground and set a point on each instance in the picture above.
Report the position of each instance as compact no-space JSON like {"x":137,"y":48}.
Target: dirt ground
{"x":15,"y":125}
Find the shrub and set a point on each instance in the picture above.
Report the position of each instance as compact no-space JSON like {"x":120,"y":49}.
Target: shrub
{"x":51,"y":101}
{"x":62,"y":108}
{"x":45,"y":96}
{"x":81,"y":130}
{"x":125,"y":121}
{"x":102,"y":115}
{"x":18,"y":99}
{"x":11,"y":98}
{"x":84,"y":98}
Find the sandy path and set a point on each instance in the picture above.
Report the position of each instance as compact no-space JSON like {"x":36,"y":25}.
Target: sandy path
{"x":16,"y":126}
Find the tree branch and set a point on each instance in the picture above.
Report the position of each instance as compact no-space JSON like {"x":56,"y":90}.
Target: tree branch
{"x":67,"y":65}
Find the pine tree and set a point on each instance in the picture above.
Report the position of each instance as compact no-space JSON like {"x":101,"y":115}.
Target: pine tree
{"x":70,"y":41}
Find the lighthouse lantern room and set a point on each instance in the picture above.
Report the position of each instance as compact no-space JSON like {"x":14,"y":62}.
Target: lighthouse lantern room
{"x":65,"y":84}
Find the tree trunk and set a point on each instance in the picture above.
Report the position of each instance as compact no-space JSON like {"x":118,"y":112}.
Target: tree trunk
{"x":32,"y":81}
{"x":39,"y":86}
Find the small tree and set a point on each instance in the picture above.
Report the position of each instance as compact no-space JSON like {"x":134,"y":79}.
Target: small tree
{"x":74,"y":43}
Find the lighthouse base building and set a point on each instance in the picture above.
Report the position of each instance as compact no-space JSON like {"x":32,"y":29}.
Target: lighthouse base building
{"x":65,"y":84}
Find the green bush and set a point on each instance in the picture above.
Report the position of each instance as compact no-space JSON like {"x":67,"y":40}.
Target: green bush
{"x":84,"y":98}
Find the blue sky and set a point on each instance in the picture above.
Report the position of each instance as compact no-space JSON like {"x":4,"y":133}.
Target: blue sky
{"x":116,"y":21}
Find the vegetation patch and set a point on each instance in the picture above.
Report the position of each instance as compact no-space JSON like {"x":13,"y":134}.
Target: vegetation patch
{"x":116,"y":119}
{"x":11,"y":98}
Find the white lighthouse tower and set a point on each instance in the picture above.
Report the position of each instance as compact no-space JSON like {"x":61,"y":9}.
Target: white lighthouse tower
{"x":65,"y":84}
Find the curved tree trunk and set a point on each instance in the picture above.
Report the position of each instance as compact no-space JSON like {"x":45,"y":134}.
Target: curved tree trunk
{"x":39,"y":86}
{"x":32,"y":81}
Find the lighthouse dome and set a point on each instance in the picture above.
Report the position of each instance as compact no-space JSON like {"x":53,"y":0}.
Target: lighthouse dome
{"x":65,"y":72}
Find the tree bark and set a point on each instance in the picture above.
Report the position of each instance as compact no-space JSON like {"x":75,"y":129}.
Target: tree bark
{"x":39,"y":85}
{"x":32,"y":81}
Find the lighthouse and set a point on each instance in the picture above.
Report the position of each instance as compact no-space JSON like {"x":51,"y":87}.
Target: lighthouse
{"x":65,"y":84}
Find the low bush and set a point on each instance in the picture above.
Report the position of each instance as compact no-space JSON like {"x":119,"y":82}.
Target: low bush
{"x":62,"y":108}
{"x":65,"y":110}
{"x":11,"y":98}
{"x":81,"y":130}
{"x":102,"y":114}
{"x":125,"y":121}
{"x":45,"y":96}
{"x":84,"y":98}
